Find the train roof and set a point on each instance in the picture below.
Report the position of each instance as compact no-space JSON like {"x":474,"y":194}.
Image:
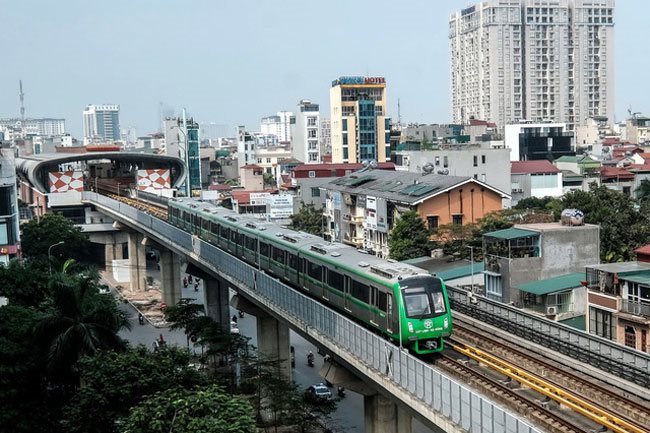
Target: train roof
{"x":344,"y":256}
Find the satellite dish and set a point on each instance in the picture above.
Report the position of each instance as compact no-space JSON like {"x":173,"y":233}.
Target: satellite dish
{"x":428,"y":168}
{"x":445,"y":171}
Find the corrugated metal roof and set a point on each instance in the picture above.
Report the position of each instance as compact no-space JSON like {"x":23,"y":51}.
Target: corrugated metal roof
{"x":462,"y":271}
{"x":641,"y":277}
{"x":552,"y":285}
{"x":511,"y":233}
{"x":401,"y":186}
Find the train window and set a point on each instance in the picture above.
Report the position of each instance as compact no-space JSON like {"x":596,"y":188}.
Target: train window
{"x":315,"y":271}
{"x":278,"y":255}
{"x":381,"y":301}
{"x":225,"y":232}
{"x":335,"y":279}
{"x":292,"y":261}
{"x":264,"y":249}
{"x":360,"y":291}
{"x":205,"y":223}
{"x":438,"y":302}
{"x":233,"y":236}
{"x":214,"y":228}
{"x":250,"y":243}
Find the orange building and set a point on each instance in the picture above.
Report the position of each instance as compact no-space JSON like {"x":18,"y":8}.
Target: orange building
{"x":361,"y":208}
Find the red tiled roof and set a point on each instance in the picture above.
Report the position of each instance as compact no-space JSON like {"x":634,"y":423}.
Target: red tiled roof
{"x":645,"y":155}
{"x":533,"y":167}
{"x":615,"y":172}
{"x":478,"y":122}
{"x":639,"y":167}
{"x":643,"y":250}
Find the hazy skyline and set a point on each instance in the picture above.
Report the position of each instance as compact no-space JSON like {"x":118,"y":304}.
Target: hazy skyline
{"x":235,"y":62}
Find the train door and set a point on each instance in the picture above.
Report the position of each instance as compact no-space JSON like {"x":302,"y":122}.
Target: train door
{"x":347,"y":304}
{"x":390,"y":312}
{"x":375,"y":318}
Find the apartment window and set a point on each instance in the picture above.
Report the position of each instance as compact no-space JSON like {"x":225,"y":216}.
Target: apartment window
{"x":475,"y":161}
{"x":601,"y":323}
{"x":457,"y":220}
{"x":437,"y":160}
{"x":483,"y":159}
{"x":432,"y":222}
{"x":445,"y":162}
{"x":312,"y":173}
{"x":345,"y":124}
{"x":315,"y":192}
{"x":311,"y":121}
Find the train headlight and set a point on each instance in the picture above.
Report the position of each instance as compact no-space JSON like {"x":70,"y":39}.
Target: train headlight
{"x":410,"y":327}
{"x":446,"y":323}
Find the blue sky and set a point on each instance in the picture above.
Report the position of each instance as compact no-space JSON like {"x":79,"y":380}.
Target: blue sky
{"x":233,"y":62}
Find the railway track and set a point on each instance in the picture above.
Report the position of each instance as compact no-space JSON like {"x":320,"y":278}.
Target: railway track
{"x":546,"y":386}
{"x":155,"y":210}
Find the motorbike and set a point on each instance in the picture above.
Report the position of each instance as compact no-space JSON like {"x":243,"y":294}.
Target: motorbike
{"x":141,"y":319}
{"x":240,"y":313}
{"x":341,"y":392}
{"x":310,"y":359}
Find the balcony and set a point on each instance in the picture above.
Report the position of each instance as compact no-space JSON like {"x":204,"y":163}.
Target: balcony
{"x":636,"y":308}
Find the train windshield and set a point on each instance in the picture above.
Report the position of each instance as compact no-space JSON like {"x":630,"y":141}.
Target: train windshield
{"x":423,"y":297}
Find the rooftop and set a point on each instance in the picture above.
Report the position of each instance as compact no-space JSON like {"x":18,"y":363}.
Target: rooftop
{"x":618,"y":268}
{"x":400,"y":186}
{"x":533,"y":167}
{"x":511,"y":233}
{"x":553,"y":285}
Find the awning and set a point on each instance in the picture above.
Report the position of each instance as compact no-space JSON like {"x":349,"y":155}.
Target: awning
{"x":511,"y":233}
{"x":553,"y":285}
{"x":641,"y":277}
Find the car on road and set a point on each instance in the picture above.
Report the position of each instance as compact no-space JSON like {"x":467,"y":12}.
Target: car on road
{"x":318,"y":392}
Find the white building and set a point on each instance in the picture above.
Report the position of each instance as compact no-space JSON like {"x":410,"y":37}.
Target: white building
{"x":101,"y":123}
{"x":542,"y":60}
{"x":278,"y":125}
{"x":306,"y":133}
{"x":528,"y":141}
{"x":45,"y":127}
{"x":535,"y":179}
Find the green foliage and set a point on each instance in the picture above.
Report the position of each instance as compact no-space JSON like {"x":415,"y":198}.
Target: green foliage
{"x":202,"y":410}
{"x":78,"y":321}
{"x":409,"y":238}
{"x":38,"y":236}
{"x":114,"y":382}
{"x":23,"y":283}
{"x":22,"y":379}
{"x":643,"y":191}
{"x":308,"y":219}
{"x":623,"y":228}
{"x":269,"y":180}
{"x":534,"y":203}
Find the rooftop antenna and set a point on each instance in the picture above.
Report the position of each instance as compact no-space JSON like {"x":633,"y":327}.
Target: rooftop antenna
{"x":22,"y":108}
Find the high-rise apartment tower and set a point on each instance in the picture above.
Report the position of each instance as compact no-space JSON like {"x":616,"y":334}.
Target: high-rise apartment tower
{"x":101,"y":123}
{"x":360,"y":130}
{"x":536,"y":60}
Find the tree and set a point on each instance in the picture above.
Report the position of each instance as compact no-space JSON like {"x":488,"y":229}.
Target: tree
{"x":622,"y":227}
{"x":184,"y":316}
{"x":268,"y":180}
{"x":643,"y":191}
{"x":534,"y":203}
{"x":22,"y":378}
{"x":23,"y":283}
{"x":202,"y":410}
{"x":113,"y":382}
{"x":308,"y":219}
{"x":409,"y":238}
{"x":39,"y":235}
{"x":78,"y":321}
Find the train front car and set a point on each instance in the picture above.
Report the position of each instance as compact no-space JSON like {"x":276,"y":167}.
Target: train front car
{"x":425,"y":313}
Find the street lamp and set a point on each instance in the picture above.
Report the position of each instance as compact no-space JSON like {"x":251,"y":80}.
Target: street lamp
{"x":186,"y":158}
{"x":49,"y":256}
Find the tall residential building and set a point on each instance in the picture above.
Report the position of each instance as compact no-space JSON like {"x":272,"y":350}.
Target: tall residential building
{"x":306,"y":133}
{"x":278,"y":125}
{"x":359,"y":127}
{"x":101,"y":123}
{"x":325,"y":136}
{"x":539,"y":60}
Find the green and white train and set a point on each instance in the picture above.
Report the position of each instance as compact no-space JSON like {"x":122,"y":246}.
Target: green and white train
{"x":391,"y":297}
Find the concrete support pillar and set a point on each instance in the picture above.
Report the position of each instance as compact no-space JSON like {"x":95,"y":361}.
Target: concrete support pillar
{"x":273,"y":342}
{"x":215,"y":293}
{"x":137,"y":262}
{"x":382,"y":415}
{"x":170,"y":276}
{"x":109,"y":254}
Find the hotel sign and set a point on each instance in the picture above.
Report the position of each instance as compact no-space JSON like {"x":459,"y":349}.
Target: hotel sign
{"x":359,"y":80}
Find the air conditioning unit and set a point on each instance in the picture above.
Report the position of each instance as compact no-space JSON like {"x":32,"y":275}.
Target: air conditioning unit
{"x":551,"y":311}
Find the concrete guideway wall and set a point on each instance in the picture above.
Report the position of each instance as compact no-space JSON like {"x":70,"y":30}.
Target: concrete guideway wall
{"x":436,"y":398}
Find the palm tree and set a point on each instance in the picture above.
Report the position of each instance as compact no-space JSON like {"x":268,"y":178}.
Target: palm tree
{"x":80,"y":322}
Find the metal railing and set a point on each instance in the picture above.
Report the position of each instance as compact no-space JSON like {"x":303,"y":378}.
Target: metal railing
{"x":409,"y":379}
{"x":635,"y":308}
{"x":622,"y":361}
